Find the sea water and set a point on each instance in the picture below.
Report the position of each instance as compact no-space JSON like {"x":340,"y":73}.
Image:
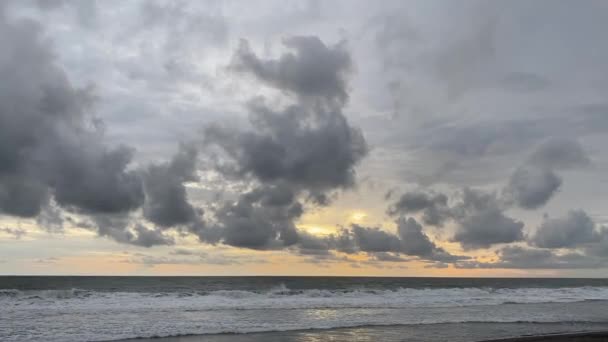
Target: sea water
{"x":114,"y":308}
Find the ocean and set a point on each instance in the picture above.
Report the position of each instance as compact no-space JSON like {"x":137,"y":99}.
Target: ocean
{"x":296,"y":308}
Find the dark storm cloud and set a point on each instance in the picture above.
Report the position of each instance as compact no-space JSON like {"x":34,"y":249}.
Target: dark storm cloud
{"x":486,"y":228}
{"x":415,"y":242}
{"x":572,"y":230}
{"x":312,"y":69}
{"x":525,"y":258}
{"x":374,"y":239}
{"x":52,"y":154}
{"x":410,"y":240}
{"x":149,"y":237}
{"x":166,"y":198}
{"x":262,"y":218}
{"x":469,"y":109}
{"x":479,"y":216}
{"x":46,"y":145}
{"x":309,"y":244}
{"x":22,"y":196}
{"x":89,"y":177}
{"x":51,"y":151}
{"x":120,"y":229}
{"x":569,"y":242}
{"x":21,"y":193}
{"x":532,"y":187}
{"x":312,"y":148}
{"x":482,"y":223}
{"x":434,"y":206}
{"x":309,"y":144}
{"x":305,"y":149}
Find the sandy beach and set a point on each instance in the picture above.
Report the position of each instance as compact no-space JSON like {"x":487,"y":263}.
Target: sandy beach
{"x":465,"y":332}
{"x":595,"y":336}
{"x":575,"y":337}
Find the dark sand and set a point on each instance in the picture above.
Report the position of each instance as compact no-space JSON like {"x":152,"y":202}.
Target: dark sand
{"x":457,"y":332}
{"x":576,"y":337}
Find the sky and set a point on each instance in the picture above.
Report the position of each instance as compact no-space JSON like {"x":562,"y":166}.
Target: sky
{"x":392,"y":138}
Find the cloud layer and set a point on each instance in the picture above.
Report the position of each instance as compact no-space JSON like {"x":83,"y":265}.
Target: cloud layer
{"x":277,"y":129}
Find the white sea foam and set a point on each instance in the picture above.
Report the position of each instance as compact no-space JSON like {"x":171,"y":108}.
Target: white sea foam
{"x":82,"y":315}
{"x":284,"y":298}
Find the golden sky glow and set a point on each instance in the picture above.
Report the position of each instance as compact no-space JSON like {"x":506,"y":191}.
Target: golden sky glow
{"x":81,"y":252}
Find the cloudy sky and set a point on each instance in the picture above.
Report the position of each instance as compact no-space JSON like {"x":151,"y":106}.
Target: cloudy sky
{"x":414,"y":138}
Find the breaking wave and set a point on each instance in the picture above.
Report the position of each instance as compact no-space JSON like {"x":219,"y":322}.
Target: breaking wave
{"x":71,"y":315}
{"x":282,"y":297}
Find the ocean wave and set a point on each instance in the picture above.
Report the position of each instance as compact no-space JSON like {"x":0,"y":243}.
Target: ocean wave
{"x":47,"y":294}
{"x":282,"y":297}
{"x":78,"y":314}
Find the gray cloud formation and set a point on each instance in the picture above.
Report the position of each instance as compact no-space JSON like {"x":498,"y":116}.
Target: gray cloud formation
{"x":572,"y":230}
{"x":410,"y":240}
{"x":416,"y":243}
{"x":482,"y":223}
{"x":462,"y":58}
{"x":51,"y":148}
{"x":374,"y":239}
{"x":532,"y":187}
{"x":569,"y":242}
{"x":311,"y":148}
{"x":89,"y":177}
{"x":525,"y":258}
{"x":309,"y":144}
{"x":149,"y":237}
{"x":390,"y":257}
{"x":166,"y":198}
{"x":47,"y":146}
{"x":434,"y":206}
{"x":307,"y":148}
{"x":259,"y":219}
{"x":557,"y":153}
{"x":121,"y":229}
{"x":469,"y":109}
{"x":480,"y":217}
{"x":312,"y":69}
{"x":486,"y":228}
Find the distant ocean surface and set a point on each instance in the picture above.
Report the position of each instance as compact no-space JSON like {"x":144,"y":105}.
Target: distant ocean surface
{"x":115,"y":308}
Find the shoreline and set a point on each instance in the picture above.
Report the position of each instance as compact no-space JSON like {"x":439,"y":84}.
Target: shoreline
{"x":456,"y":332}
{"x":601,"y":335}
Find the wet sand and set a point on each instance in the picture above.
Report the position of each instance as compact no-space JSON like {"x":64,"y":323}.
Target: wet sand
{"x":456,"y":332}
{"x":576,"y":337}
